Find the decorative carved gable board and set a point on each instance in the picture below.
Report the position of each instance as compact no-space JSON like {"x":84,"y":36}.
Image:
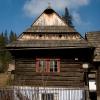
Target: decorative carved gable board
{"x":49,"y":18}
{"x":67,"y":36}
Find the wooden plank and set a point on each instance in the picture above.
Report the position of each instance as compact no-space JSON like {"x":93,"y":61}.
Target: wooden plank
{"x":50,"y":78}
{"x":50,"y":83}
{"x":71,"y":69}
{"x":51,"y":73}
{"x":71,"y":66}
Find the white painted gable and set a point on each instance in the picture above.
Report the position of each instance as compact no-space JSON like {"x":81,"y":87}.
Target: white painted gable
{"x":49,"y":20}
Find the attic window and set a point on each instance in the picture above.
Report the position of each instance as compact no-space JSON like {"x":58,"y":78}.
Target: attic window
{"x":40,"y":35}
{"x":47,"y":65}
{"x":49,"y":11}
{"x":60,"y":36}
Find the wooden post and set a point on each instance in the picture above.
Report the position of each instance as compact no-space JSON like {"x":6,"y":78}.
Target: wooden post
{"x":87,"y":93}
{"x":86,"y":83}
{"x":98,"y":84}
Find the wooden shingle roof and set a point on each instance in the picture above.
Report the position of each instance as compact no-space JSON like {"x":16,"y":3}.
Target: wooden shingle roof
{"x":50,"y":29}
{"x":50,"y":22}
{"x":49,"y":44}
{"x":94,"y":39}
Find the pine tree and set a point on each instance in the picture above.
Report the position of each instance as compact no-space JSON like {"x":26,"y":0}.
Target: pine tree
{"x":2,"y":43}
{"x":6,"y":37}
{"x":13,"y":36}
{"x":68,"y":18}
{"x":5,"y":56}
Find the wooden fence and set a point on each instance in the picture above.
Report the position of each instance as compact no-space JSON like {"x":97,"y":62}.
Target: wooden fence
{"x":41,"y":93}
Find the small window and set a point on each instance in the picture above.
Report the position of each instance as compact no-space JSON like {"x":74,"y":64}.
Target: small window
{"x":47,"y":65}
{"x":49,"y":96}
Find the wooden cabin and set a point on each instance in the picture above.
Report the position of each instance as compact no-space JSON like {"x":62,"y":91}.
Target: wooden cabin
{"x":53,"y":58}
{"x":94,"y":39}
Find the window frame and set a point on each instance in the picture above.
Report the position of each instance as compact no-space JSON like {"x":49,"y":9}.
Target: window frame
{"x":47,"y":64}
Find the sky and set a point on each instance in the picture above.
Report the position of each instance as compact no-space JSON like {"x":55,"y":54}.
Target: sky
{"x":18,"y":15}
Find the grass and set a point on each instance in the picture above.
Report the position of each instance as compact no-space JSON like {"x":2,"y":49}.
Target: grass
{"x":4,"y":78}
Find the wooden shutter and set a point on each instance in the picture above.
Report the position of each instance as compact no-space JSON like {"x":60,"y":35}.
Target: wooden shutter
{"x":47,"y":65}
{"x":58,"y":65}
{"x":37,"y":65}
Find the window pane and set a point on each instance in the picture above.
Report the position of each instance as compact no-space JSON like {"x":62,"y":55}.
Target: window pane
{"x":53,"y":65}
{"x":42,"y":65}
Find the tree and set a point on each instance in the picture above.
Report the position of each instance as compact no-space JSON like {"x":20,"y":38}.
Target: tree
{"x":6,"y":37}
{"x":68,"y":18}
{"x":2,"y":51}
{"x":5,"y":56}
{"x":12,"y":36}
{"x":2,"y":43}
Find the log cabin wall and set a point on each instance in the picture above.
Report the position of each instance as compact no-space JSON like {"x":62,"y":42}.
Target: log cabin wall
{"x":70,"y":75}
